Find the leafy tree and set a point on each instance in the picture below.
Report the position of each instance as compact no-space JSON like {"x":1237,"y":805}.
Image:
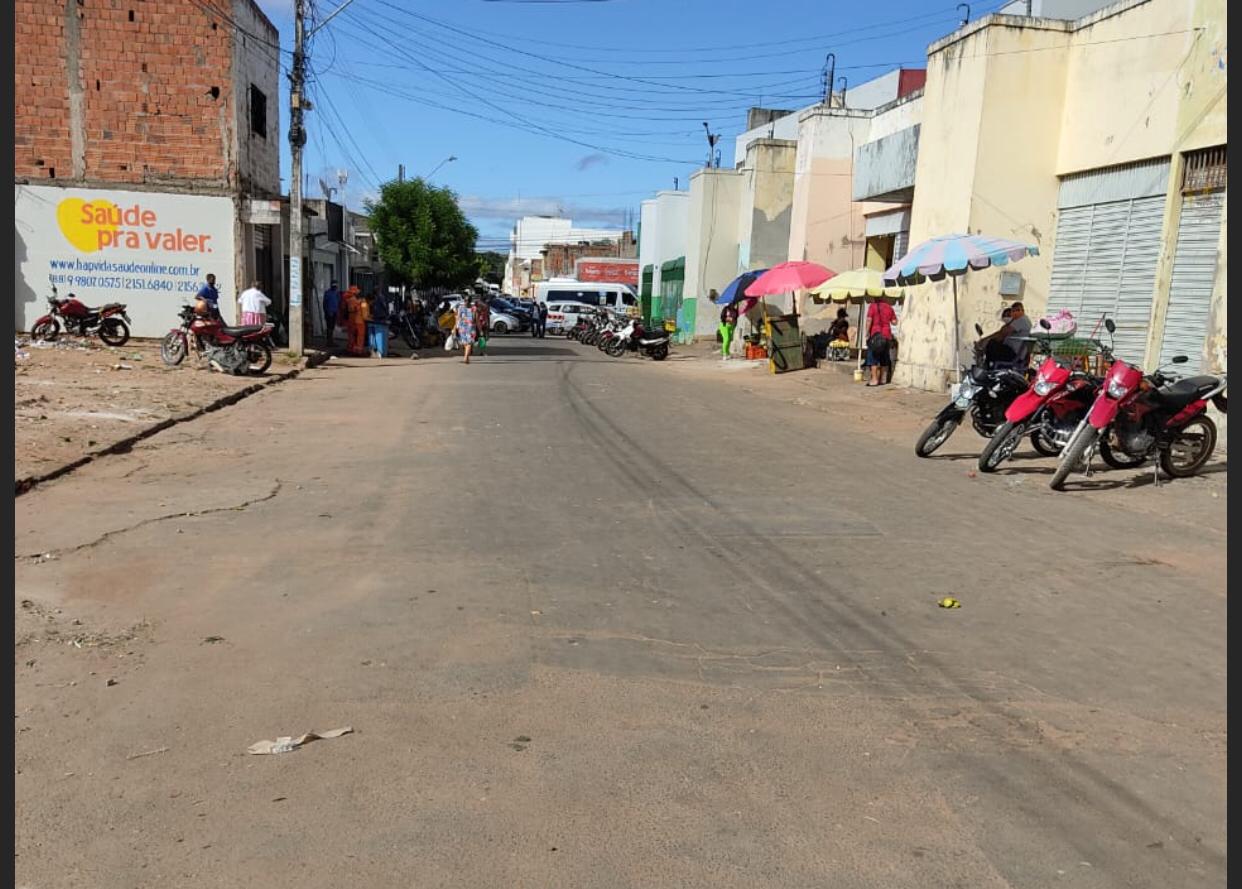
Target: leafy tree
{"x":422,"y":236}
{"x":491,"y":265}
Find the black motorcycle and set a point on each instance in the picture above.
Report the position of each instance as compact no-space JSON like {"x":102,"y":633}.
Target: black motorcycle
{"x":986,"y":391}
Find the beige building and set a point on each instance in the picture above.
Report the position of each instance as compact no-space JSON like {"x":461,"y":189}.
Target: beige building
{"x":1099,"y":140}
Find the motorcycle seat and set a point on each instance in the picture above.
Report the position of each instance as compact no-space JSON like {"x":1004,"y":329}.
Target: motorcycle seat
{"x":1183,"y":392}
{"x":243,"y":330}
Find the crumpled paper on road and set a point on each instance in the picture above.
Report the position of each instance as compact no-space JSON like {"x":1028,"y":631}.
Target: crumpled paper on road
{"x":285,"y":745}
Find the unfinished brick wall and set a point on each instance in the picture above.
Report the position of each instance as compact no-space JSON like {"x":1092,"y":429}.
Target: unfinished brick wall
{"x":125,"y":91}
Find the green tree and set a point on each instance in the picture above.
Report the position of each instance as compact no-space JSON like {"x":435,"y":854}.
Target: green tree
{"x":422,"y":236}
{"x":491,"y":265}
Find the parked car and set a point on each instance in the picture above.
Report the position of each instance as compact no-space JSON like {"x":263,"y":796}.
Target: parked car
{"x":562,"y":315}
{"x":508,"y":307}
{"x":503,"y":322}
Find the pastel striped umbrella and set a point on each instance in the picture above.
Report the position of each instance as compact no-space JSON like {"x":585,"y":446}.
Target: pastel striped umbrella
{"x":953,"y":256}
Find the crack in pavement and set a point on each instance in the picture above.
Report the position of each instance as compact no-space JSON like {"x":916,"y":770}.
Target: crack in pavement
{"x":56,"y":553}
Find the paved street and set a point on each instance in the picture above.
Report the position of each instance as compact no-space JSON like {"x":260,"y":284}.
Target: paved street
{"x":610,"y":624}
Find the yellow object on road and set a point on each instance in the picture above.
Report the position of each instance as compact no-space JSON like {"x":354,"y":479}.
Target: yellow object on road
{"x":949,"y":602}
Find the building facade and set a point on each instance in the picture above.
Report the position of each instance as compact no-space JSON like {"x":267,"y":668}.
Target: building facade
{"x":1101,"y":141}
{"x":146,"y":155}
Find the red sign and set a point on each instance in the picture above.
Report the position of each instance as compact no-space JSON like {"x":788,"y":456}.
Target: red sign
{"x":608,"y":272}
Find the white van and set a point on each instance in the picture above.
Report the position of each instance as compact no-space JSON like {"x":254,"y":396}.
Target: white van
{"x":615,"y":297}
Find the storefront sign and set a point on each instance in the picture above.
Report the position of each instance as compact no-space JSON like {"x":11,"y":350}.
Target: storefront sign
{"x":151,"y":251}
{"x":264,"y":212}
{"x":608,"y":271}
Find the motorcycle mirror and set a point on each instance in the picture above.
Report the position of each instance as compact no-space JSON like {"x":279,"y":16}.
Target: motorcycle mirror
{"x":1043,"y":322}
{"x":978,"y":330}
{"x":1179,"y":359}
{"x":1109,"y":325}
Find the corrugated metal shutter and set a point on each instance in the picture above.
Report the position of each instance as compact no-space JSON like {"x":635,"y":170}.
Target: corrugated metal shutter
{"x":1144,"y":179}
{"x":262,"y":237}
{"x":1104,"y":261}
{"x":1194,"y":273}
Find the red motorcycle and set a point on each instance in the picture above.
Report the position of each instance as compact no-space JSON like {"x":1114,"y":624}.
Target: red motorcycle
{"x":110,"y":320}
{"x":1049,"y":412}
{"x":235,"y":350}
{"x":1138,"y":416}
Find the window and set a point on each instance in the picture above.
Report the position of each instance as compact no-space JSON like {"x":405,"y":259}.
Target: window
{"x":258,"y":112}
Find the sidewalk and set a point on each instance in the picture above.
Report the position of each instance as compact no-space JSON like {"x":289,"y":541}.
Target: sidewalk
{"x":895,"y":416}
{"x":75,"y":399}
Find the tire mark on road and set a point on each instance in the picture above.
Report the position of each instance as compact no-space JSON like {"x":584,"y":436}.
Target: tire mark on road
{"x":1068,"y":783}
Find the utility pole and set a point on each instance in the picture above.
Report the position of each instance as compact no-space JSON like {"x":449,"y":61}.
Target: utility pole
{"x":400,"y":172}
{"x":297,"y":140}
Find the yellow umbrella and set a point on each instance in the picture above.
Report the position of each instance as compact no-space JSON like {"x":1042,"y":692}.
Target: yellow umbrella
{"x":854,"y":285}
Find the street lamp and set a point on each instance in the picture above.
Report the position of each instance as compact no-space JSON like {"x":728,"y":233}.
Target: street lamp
{"x":451,"y":157}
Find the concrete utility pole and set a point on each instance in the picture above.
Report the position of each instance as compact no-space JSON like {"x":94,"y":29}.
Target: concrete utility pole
{"x":297,"y":139}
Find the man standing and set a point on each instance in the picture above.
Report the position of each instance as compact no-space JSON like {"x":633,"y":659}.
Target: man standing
{"x":880,"y":318}
{"x":210,"y":295}
{"x":254,"y":303}
{"x":542,"y":313}
{"x":331,"y":311}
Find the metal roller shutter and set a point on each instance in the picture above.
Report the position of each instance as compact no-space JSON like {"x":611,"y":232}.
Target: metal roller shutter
{"x":1194,"y":273}
{"x":901,"y":245}
{"x":1107,"y":245}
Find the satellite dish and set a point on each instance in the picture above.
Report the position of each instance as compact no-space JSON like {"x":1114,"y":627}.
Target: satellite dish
{"x":342,"y":176}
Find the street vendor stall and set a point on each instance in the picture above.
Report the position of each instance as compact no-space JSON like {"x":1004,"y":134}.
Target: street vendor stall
{"x":856,"y":288}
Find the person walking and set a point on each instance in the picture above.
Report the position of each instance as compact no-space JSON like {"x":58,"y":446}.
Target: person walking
{"x":728,"y":324}
{"x":880,"y":318}
{"x":483,"y":321}
{"x":254,"y":303}
{"x":465,"y":328}
{"x":331,"y":309}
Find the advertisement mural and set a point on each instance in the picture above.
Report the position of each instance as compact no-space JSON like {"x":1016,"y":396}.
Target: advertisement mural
{"x":149,"y":250}
{"x":608,"y":271}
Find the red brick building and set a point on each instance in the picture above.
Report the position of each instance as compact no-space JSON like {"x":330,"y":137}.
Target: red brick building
{"x":154,"y":97}
{"x":559,"y":259}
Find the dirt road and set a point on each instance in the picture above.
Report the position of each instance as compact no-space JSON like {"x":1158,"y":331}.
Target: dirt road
{"x":609,"y":623}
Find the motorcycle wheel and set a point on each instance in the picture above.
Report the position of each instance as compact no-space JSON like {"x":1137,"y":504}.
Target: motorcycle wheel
{"x":410,"y":338}
{"x":114,"y":332}
{"x":1001,"y":445}
{"x":1072,"y":456}
{"x":616,"y":347}
{"x":47,"y":330}
{"x":936,"y":434}
{"x":172,"y":349}
{"x":1117,"y":458}
{"x":1189,"y":450}
{"x":258,"y":357}
{"x":1042,"y":445}
{"x":660,"y":352}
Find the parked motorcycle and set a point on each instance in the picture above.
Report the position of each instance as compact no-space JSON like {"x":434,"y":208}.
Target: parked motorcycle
{"x":110,"y":321}
{"x":636,"y":338}
{"x":985,"y":392}
{"x":401,"y":324}
{"x":235,"y":350}
{"x":1048,"y":412}
{"x":1138,"y":416}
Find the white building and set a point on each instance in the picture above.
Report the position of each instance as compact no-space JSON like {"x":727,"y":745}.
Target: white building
{"x":531,"y":234}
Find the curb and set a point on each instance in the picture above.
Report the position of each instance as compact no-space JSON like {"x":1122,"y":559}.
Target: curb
{"x":24,"y":485}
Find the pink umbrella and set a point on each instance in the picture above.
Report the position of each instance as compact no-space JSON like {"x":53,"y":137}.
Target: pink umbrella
{"x":788,"y":277}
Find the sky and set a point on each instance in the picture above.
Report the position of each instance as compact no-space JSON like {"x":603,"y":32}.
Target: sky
{"x":580,"y":108}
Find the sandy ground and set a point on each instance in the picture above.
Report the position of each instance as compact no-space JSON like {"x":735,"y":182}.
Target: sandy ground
{"x":76,"y":396}
{"x":617,"y":624}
